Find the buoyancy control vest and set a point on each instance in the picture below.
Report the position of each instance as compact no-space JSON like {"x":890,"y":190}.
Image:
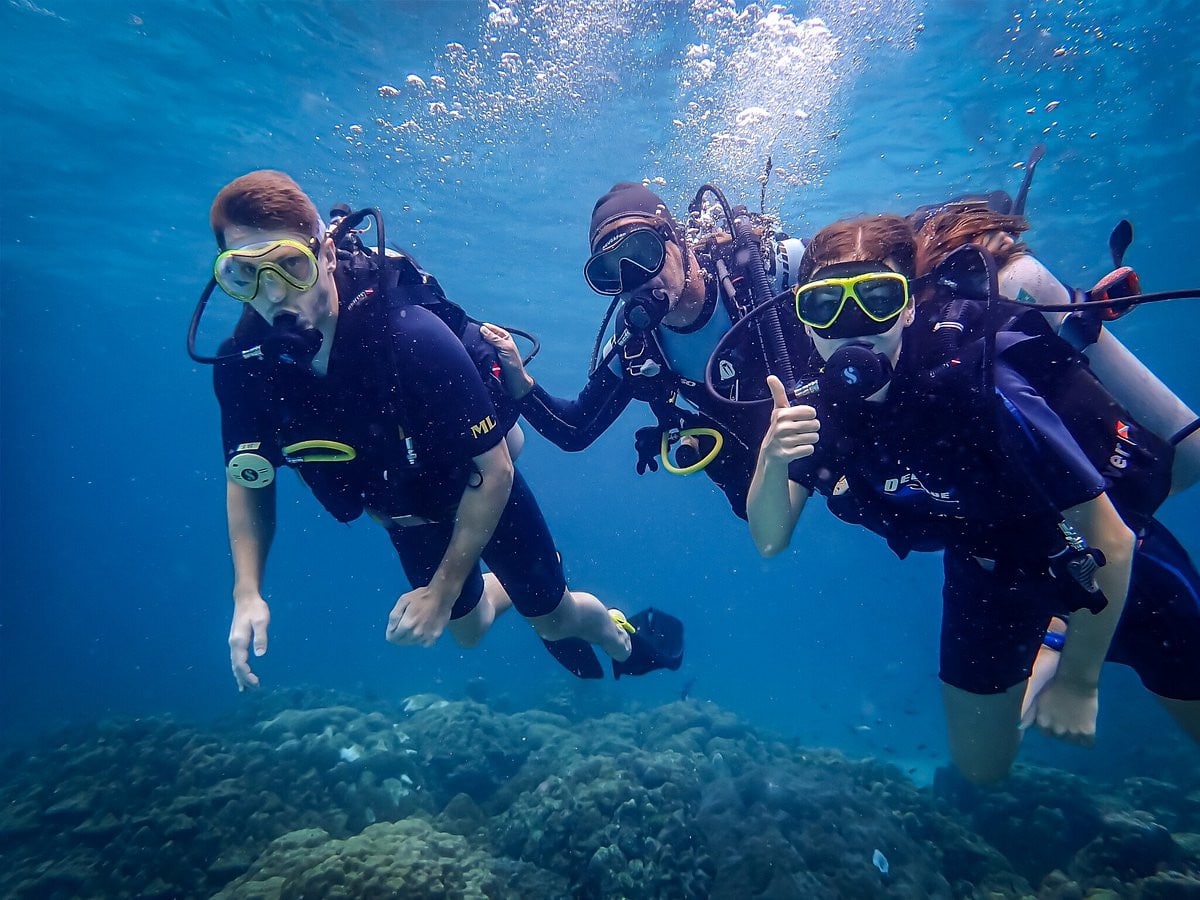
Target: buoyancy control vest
{"x":946,"y":378}
{"x":1134,"y":461}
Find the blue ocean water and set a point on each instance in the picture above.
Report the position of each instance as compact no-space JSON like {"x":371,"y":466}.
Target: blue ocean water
{"x":121,"y":121}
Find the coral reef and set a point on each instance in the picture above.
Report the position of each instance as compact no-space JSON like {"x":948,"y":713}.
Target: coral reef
{"x":320,"y":795}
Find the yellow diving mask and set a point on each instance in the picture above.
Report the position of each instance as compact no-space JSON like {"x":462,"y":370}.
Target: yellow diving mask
{"x":879,"y":296}
{"x":240,"y":271}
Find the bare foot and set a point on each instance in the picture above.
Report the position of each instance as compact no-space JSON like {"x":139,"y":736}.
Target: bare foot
{"x":618,"y":643}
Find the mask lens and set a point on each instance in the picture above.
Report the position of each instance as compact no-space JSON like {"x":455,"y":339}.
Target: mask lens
{"x":818,"y":304}
{"x":878,"y":297}
{"x":625,"y":262}
{"x":881,"y":296}
{"x":239,"y":272}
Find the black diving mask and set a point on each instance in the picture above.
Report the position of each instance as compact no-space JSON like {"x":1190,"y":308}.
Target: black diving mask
{"x":627,"y":260}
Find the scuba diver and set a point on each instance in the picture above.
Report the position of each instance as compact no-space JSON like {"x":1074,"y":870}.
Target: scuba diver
{"x":675,"y":293}
{"x":990,"y":441}
{"x":351,"y":366}
{"x":995,"y":222}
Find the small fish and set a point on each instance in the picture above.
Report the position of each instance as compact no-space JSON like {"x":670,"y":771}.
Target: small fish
{"x":880,"y":862}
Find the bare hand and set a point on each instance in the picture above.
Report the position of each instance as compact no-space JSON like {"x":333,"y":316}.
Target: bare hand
{"x":794,"y":430}
{"x":419,"y":617}
{"x":250,"y":620}
{"x":995,"y":242}
{"x":1067,"y":711}
{"x":516,"y":379}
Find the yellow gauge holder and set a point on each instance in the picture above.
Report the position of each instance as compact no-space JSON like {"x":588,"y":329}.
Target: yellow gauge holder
{"x":335,"y":451}
{"x":700,"y":464}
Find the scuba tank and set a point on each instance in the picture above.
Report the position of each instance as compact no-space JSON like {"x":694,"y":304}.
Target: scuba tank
{"x":1125,"y":376}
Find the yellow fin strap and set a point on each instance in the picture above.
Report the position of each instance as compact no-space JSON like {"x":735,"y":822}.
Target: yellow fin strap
{"x":696,"y":466}
{"x":337,"y":452}
{"x":621,"y":622}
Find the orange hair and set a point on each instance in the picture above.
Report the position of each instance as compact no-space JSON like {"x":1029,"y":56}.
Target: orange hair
{"x":862,"y":239}
{"x":264,"y":199}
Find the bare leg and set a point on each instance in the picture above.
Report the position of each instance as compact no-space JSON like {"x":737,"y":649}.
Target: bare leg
{"x":983,"y":731}
{"x":1186,"y":713}
{"x":582,"y":615}
{"x":470,"y":629}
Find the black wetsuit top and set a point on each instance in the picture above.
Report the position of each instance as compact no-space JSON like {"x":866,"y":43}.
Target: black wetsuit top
{"x":441,"y":403}
{"x":940,"y":466}
{"x":739,"y":373}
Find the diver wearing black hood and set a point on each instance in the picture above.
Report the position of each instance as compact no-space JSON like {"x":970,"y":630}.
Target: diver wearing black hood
{"x":675,"y":294}
{"x":977,"y":455}
{"x":340,"y":369}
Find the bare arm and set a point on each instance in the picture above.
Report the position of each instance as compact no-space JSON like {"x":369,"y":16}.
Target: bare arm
{"x":478,"y":512}
{"x":251,"y":518}
{"x":420,"y":615}
{"x":774,"y":502}
{"x":1068,"y":705}
{"x":1090,"y":634}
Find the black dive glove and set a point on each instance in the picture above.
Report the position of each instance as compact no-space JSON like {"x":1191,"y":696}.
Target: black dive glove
{"x":648,"y":443}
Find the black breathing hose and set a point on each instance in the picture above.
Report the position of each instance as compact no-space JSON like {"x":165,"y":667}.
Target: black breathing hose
{"x":770,"y":331}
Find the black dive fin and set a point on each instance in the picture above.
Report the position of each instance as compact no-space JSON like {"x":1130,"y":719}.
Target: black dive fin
{"x":657,"y":644}
{"x":1119,"y":241}
{"x":576,"y":656}
{"x":1035,"y":157}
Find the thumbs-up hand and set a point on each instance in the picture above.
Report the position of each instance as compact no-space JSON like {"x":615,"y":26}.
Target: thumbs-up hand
{"x":794,"y":430}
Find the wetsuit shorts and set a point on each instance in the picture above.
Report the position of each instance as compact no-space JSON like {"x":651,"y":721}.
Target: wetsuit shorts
{"x":521,"y":554}
{"x":992,"y":625}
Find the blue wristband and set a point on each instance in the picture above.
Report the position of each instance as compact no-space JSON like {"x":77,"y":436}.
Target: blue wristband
{"x":1054,"y":639}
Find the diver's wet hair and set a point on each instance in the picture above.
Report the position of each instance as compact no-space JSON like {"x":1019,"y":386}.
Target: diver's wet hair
{"x":862,"y":239}
{"x":264,"y":199}
{"x":945,"y":232}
